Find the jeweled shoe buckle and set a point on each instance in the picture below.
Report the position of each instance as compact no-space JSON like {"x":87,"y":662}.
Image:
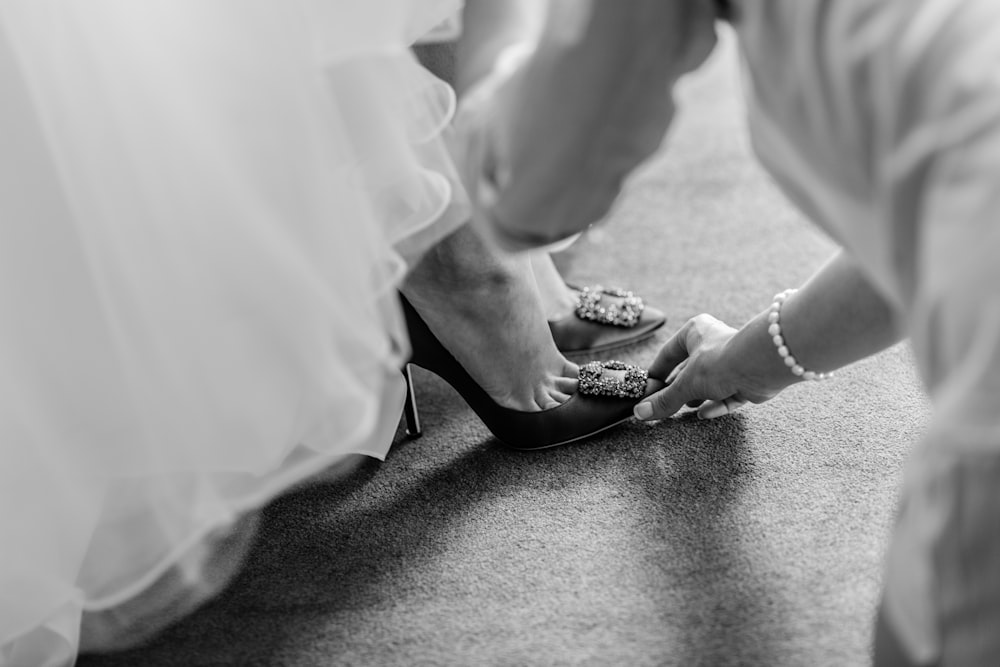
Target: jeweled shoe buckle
{"x":595,"y":382}
{"x":590,"y":305}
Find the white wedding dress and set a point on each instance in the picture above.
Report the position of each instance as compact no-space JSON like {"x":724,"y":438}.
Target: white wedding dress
{"x":205,"y":208}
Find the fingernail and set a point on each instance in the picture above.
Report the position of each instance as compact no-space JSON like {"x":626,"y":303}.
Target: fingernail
{"x":643,"y":411}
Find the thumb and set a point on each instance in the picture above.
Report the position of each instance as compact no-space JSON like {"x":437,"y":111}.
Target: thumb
{"x":663,"y":403}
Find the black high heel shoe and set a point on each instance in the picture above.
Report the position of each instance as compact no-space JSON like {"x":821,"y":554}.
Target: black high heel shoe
{"x":580,"y":417}
{"x":597,"y":326}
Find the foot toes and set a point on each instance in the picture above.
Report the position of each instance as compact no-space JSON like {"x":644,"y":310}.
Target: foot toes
{"x":567,"y":385}
{"x":552,"y":400}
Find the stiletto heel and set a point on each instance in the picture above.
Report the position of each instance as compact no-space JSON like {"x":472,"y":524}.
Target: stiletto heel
{"x":410,"y":412}
{"x":580,"y":417}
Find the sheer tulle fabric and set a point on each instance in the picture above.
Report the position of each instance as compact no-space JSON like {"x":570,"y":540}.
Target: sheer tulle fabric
{"x":205,"y":208}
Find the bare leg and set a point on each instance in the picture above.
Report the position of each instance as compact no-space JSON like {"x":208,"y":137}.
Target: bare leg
{"x":558,"y":300}
{"x":490,"y":27}
{"x":485,"y":308}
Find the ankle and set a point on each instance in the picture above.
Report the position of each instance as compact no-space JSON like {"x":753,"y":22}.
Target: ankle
{"x":448,"y":286}
{"x":463,"y":262}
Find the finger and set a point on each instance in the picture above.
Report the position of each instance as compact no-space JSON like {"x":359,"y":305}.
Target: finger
{"x":695,"y":403}
{"x":714,"y":409}
{"x":673,"y":352}
{"x":677,"y":370}
{"x":734,"y":403}
{"x":663,"y":403}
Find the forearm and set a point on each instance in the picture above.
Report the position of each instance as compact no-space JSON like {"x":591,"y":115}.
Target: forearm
{"x":835,"y":319}
{"x":592,"y":104}
{"x":489,"y":28}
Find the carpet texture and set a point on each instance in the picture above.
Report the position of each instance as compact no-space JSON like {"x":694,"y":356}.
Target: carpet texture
{"x":756,"y":539}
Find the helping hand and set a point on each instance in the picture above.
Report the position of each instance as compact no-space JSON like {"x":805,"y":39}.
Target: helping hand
{"x":706,"y":365}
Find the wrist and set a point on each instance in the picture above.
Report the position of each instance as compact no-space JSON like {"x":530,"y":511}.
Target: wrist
{"x":759,"y":365}
{"x":763,"y":356}
{"x":777,"y":333}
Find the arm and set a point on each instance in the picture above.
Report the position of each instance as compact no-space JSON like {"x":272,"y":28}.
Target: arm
{"x":835,"y":319}
{"x":592,"y":103}
{"x":490,"y":27}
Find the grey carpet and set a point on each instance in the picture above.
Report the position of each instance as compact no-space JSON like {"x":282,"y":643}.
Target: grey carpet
{"x":752,"y":540}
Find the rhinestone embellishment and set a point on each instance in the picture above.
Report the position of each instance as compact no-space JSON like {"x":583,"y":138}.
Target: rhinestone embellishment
{"x":590,"y":305}
{"x":594,"y":382}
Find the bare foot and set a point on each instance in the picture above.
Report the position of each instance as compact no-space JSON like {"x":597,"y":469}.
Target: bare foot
{"x":485,"y":308}
{"x":558,"y":299}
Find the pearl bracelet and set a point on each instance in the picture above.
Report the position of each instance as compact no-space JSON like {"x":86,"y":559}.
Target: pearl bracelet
{"x":774,"y":329}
